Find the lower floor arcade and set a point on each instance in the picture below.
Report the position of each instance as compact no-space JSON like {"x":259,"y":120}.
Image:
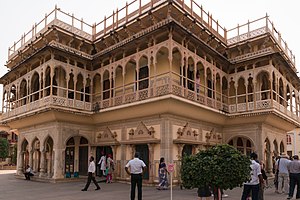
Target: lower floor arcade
{"x":60,"y":150}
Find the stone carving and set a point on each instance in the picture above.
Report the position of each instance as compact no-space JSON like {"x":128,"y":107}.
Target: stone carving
{"x":213,"y":137}
{"x":187,"y":133}
{"x":106,"y":136}
{"x":141,"y":132}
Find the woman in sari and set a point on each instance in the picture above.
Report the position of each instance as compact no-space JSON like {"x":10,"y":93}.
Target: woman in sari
{"x":162,"y":173}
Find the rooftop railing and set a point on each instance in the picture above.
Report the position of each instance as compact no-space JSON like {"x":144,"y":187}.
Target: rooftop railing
{"x":258,"y":27}
{"x":138,"y":7}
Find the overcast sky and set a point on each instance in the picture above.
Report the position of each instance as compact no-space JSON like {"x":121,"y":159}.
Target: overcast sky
{"x":17,"y":16}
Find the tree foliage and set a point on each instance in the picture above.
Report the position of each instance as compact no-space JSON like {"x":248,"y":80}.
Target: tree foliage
{"x":4,"y":147}
{"x":221,"y":166}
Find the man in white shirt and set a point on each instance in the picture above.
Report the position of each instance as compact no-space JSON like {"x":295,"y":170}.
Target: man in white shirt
{"x":137,"y":168}
{"x":256,"y":180}
{"x":283,"y":173}
{"x":91,"y":175}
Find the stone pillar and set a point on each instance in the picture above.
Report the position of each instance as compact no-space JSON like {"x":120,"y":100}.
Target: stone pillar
{"x":31,"y":158}
{"x":58,"y":164}
{"x":20,"y":162}
{"x":42,"y":163}
{"x":151,"y":163}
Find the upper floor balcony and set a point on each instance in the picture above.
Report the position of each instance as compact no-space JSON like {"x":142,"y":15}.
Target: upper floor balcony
{"x":138,"y":78}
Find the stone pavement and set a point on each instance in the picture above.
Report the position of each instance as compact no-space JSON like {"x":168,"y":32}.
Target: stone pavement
{"x":17,"y":189}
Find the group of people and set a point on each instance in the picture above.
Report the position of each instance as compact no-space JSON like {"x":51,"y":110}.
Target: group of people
{"x":106,"y":164}
{"x":287,"y":175}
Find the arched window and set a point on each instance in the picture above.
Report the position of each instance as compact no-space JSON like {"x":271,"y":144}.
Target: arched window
{"x":288,"y":139}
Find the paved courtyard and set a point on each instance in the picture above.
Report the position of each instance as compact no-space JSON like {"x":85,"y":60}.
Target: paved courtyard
{"x":18,"y":189}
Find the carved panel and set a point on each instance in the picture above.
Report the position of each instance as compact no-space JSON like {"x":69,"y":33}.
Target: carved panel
{"x":106,"y":136}
{"x":187,"y":133}
{"x":141,"y":132}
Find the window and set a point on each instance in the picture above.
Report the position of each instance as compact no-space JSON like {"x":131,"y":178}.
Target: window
{"x":288,"y":140}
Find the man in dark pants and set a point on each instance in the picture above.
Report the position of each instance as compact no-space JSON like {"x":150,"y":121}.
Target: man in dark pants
{"x":91,"y":175}
{"x":137,"y":168}
{"x":294,"y":169}
{"x":256,"y":180}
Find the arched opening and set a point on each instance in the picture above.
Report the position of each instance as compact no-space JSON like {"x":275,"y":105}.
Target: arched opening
{"x":242,"y":144}
{"x":71,"y":91}
{"x":69,"y":157}
{"x":250,"y":89}
{"x":35,"y":87}
{"x":275,"y":150}
{"x":210,"y":83}
{"x":87,"y":90}
{"x":143,"y":76}
{"x":97,"y":87}
{"x":23,"y":92}
{"x":232,"y":93}
{"x":49,"y":156}
{"x":59,"y":78}
{"x":119,"y":81}
{"x":274,"y":86}
{"x":281,"y":147}
{"x":36,"y":155}
{"x":25,"y":154}
{"x":130,"y":70}
{"x":201,"y":72}
{"x":176,"y":69}
{"x":224,"y":90}
{"x":83,"y":155}
{"x":241,"y":91}
{"x":218,"y":88}
{"x":264,"y":85}
{"x":288,"y":98}
{"x":162,"y":60}
{"x":47,"y":81}
{"x":106,"y":85}
{"x":281,"y":92}
{"x":79,"y":88}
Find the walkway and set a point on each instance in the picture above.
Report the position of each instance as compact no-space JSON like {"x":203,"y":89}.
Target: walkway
{"x":15,"y":189}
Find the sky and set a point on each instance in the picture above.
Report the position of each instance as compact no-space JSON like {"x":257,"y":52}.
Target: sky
{"x":18,"y":17}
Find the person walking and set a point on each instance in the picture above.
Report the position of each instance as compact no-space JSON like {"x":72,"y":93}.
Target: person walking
{"x":256,"y":180}
{"x":102,"y":163}
{"x":109,"y":168}
{"x":283,"y":174}
{"x":294,"y":170}
{"x":137,"y":169}
{"x":91,"y":175}
{"x":162,"y":173}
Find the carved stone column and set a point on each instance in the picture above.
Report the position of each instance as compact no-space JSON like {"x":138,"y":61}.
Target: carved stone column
{"x":31,"y":158}
{"x":42,"y":163}
{"x":151,"y":163}
{"x":58,"y":164}
{"x":20,"y":162}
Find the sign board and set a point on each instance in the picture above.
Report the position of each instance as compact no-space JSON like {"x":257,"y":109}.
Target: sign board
{"x":171,"y":167}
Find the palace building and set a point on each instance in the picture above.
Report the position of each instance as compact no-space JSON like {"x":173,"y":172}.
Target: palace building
{"x":160,"y":77}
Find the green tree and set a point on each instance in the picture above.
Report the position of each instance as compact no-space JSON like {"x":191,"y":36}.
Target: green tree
{"x":4,"y":147}
{"x":221,"y":166}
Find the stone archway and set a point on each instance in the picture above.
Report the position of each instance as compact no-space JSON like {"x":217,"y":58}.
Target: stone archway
{"x":49,"y":157}
{"x":243,"y":144}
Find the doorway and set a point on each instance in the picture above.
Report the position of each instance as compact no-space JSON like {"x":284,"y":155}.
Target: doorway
{"x":144,"y":155}
{"x":106,"y":150}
